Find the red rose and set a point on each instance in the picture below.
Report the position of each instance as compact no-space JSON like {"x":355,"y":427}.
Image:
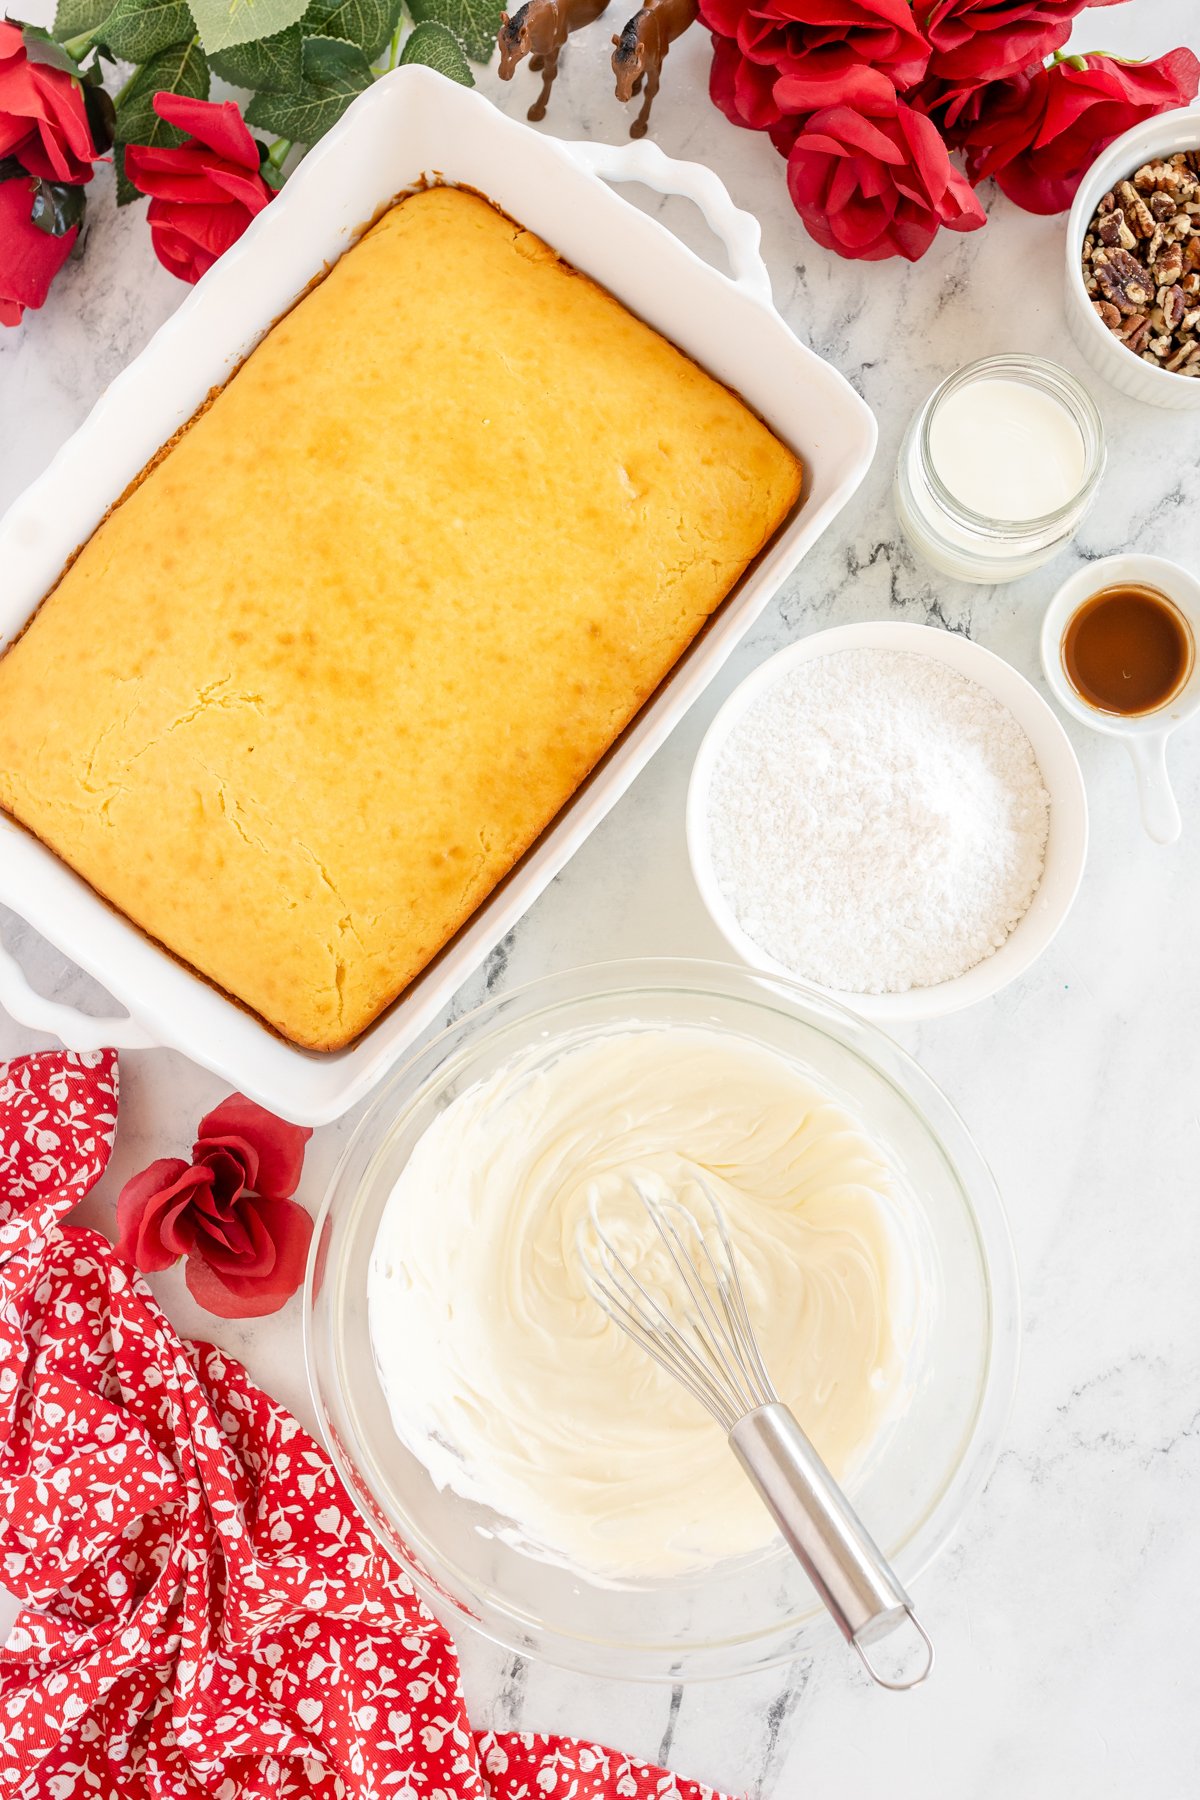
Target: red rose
{"x":1000,"y":114}
{"x":985,"y":40}
{"x":743,"y":90}
{"x":872,"y":178}
{"x":43,"y":120}
{"x":817,"y":41}
{"x":204,"y":193}
{"x":1040,"y":134}
{"x":229,"y":1211}
{"x":29,"y":258}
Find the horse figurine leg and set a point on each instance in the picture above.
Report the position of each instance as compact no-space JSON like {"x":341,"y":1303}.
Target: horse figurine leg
{"x":549,"y":71}
{"x":641,"y":123}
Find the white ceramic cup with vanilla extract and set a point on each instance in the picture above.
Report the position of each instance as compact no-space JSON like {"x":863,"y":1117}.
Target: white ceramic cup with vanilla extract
{"x":1162,"y":676}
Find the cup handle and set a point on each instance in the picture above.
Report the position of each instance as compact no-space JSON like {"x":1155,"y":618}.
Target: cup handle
{"x":1160,"y":813}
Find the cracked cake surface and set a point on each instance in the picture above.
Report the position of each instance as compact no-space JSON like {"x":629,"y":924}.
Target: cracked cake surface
{"x":320,"y":679}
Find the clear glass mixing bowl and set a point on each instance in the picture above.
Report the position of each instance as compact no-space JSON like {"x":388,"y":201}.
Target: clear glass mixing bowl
{"x":741,"y":1614}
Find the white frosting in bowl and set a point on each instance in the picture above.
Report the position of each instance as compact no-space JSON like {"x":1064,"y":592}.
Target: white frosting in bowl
{"x":506,"y":1379}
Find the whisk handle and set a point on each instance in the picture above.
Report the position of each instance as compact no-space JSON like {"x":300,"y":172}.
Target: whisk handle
{"x":835,"y":1549}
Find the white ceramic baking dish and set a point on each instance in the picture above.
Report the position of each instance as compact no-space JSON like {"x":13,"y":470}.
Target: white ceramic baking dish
{"x":409,"y":125}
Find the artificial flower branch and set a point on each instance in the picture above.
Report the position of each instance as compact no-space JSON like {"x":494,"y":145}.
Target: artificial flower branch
{"x":890,"y":114}
{"x":301,"y":62}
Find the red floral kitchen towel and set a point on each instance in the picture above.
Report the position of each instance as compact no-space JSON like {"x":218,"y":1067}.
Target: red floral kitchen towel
{"x":203,"y":1611}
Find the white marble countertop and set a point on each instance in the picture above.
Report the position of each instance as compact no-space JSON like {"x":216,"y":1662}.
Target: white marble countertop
{"x":1061,"y":1612}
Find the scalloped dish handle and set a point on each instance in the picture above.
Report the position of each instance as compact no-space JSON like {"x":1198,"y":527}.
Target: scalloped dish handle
{"x":739,"y":231}
{"x":74,"y":1029}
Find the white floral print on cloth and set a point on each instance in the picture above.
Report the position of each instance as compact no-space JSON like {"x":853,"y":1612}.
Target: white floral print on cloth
{"x":204,"y":1613}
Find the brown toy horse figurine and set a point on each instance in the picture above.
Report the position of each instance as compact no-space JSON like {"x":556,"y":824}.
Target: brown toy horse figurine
{"x":642,"y":48}
{"x":539,"y":31}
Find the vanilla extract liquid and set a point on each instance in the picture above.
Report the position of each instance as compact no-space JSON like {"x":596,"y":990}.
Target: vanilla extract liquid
{"x":1127,"y":650}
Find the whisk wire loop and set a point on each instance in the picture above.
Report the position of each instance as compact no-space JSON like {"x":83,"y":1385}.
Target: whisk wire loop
{"x":648,"y":1334}
{"x":719,"y":1341}
{"x":707,"y":1342}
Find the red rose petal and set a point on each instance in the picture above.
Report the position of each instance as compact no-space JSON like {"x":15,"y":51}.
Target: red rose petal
{"x":232,"y":1296}
{"x":222,"y":1229}
{"x":42,"y":116}
{"x":64,"y":116}
{"x":279,"y":1146}
{"x":203,"y":194}
{"x":163,"y":1180}
{"x":174,"y":1227}
{"x":29,"y":258}
{"x":1084,"y":110}
{"x":877,"y":182}
{"x":13,"y":130}
{"x":819,"y":40}
{"x":988,"y":40}
{"x":860,"y":87}
{"x":740,"y":89}
{"x":241,"y":1245}
{"x":233,"y":1162}
{"x":215,"y":123}
{"x":243,"y":190}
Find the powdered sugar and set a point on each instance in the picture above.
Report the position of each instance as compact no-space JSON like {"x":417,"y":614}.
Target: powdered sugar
{"x":878,"y":822}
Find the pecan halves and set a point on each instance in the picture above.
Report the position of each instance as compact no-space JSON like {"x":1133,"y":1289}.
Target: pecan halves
{"x":1123,"y":280}
{"x":1141,"y":262}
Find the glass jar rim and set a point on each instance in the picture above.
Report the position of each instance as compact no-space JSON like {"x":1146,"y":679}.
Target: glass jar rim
{"x":1062,"y":386}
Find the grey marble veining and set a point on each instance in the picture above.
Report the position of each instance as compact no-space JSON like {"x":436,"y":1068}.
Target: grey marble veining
{"x":1061,"y":1612}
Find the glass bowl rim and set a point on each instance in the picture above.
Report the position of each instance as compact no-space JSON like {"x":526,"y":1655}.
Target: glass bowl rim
{"x":741,"y":1651}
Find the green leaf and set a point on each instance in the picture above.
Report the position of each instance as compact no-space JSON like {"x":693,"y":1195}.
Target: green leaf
{"x":180,"y":69}
{"x":437,"y":47}
{"x":367,"y":23}
{"x":136,"y":30}
{"x":474,"y":22}
{"x":126,"y":192}
{"x":101,"y":114}
{"x":334,"y":72}
{"x":40,"y":47}
{"x":57,"y":206}
{"x":224,"y":23}
{"x":76,"y":16}
{"x":270,"y":66}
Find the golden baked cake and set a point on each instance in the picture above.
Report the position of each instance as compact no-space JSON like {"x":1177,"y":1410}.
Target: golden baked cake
{"x":325,"y":673}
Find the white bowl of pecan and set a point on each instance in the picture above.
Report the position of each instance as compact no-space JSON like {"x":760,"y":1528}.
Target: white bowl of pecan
{"x":1133,"y":261}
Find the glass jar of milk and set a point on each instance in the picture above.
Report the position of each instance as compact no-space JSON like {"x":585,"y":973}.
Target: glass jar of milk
{"x":999,"y":467}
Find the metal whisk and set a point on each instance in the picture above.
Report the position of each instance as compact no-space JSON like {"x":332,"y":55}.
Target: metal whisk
{"x":708,"y":1345}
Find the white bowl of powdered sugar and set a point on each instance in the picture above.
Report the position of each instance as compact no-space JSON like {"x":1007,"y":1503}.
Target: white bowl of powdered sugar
{"x":891,"y":813}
